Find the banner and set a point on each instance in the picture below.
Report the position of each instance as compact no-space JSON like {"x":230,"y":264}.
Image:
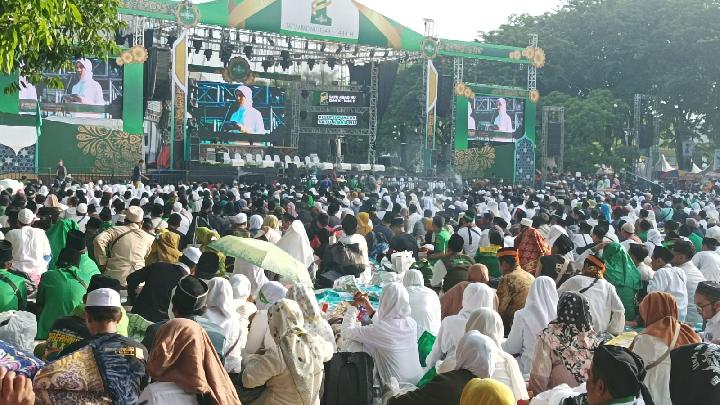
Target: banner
{"x":430,"y":105}
{"x":179,"y":147}
{"x":327,"y":18}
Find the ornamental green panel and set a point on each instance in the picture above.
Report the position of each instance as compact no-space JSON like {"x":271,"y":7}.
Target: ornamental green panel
{"x":8,"y":102}
{"x":133,"y":85}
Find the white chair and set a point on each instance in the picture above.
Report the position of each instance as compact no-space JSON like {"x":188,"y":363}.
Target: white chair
{"x":276,"y":159}
{"x":315,"y":160}
{"x":364,"y":167}
{"x":238,"y":162}
{"x":326,"y":166}
{"x":345,"y":167}
{"x":378,"y":168}
{"x":258,"y":157}
{"x":237,"y":156}
{"x":298,"y":162}
{"x":308,"y":162}
{"x":248,"y":157}
{"x":288,"y":160}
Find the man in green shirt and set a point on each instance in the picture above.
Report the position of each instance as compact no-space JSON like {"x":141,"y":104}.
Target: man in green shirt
{"x":442,"y":236}
{"x":60,"y":291}
{"x":13,"y":293}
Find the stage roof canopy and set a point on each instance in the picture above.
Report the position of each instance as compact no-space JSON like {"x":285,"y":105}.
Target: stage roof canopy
{"x":344,"y":21}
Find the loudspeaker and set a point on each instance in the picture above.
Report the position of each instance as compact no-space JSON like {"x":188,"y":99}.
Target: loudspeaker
{"x":554,"y":148}
{"x":445,"y":94}
{"x":157,"y":74}
{"x":646,"y":136}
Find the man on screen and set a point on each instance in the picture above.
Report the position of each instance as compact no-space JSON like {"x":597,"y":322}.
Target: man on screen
{"x":503,"y":122}
{"x":246,"y":119}
{"x":86,"y":90}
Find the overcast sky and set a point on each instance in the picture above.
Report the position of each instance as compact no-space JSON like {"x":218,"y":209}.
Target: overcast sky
{"x":458,"y":19}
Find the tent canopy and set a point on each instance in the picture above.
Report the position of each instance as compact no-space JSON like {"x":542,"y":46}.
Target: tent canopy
{"x":345,"y":21}
{"x":663,"y":165}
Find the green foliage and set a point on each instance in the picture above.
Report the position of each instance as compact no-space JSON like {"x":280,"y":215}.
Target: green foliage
{"x":595,"y":130}
{"x":37,"y":35}
{"x":667,"y":49}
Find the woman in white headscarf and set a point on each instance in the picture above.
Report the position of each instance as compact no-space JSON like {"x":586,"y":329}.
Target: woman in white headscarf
{"x":246,"y":117}
{"x":504,"y":211}
{"x":554,"y":234}
{"x":503,"y":122}
{"x":271,"y":227}
{"x":391,"y":339}
{"x":254,"y":225}
{"x":86,"y":90}
{"x":507,"y":371}
{"x":452,"y":328}
{"x":222,"y":311}
{"x":424,"y":303}
{"x":258,"y":336}
{"x":314,"y":322}
{"x":654,"y":238}
{"x":476,"y":354}
{"x":291,"y":370}
{"x":295,"y":242}
{"x":540,"y":308}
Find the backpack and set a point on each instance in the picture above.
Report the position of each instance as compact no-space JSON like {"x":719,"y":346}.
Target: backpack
{"x":348,"y":379}
{"x":343,"y":258}
{"x":457,"y":267}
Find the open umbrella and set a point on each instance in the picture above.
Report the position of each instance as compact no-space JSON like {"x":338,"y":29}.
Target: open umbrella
{"x":264,"y":255}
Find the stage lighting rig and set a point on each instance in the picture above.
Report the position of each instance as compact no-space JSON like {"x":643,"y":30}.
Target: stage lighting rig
{"x":197,"y":44}
{"x":311,"y":64}
{"x":248,"y":51}
{"x":331,"y":62}
{"x":208,"y":54}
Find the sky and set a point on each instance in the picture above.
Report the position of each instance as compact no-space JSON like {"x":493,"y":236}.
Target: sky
{"x":458,"y":19}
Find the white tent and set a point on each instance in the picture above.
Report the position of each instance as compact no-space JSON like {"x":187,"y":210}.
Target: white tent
{"x":663,"y":165}
{"x":695,"y":169}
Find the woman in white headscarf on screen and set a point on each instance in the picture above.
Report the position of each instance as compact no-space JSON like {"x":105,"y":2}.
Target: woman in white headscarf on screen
{"x":503,"y":122}
{"x":540,"y":308}
{"x":86,"y":90}
{"x":246,"y":117}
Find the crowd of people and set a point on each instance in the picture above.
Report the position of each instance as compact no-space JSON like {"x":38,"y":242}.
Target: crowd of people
{"x":116,"y":293}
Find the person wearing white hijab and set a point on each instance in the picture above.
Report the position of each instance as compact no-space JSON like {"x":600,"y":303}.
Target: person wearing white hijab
{"x":258,"y":336}
{"x":222,"y":311}
{"x":314,"y":322}
{"x":391,"y":339}
{"x":86,"y":90}
{"x":255,"y":274}
{"x":424,"y":303}
{"x":476,"y":295}
{"x":254,"y":225}
{"x":540,"y":308}
{"x":654,"y":239}
{"x":504,"y":211}
{"x":296,"y":243}
{"x":476,"y":354}
{"x":503,"y":122}
{"x":247,"y":119}
{"x":507,"y":371}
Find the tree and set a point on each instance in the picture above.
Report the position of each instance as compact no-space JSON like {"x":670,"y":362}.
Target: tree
{"x":595,"y":130}
{"x":46,"y":35}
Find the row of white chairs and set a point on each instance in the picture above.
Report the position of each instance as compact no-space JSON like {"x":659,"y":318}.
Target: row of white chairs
{"x":269,"y":161}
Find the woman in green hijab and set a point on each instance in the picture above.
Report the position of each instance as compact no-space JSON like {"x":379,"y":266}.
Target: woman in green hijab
{"x":622,"y":273}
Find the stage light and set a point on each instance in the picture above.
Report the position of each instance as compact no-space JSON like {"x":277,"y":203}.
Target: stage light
{"x":357,"y":50}
{"x":304,"y":94}
{"x":322,"y":48}
{"x":307,"y":44}
{"x":331,"y":62}
{"x":267,"y":63}
{"x":285,"y":55}
{"x":289,"y":42}
{"x":248,"y":51}
{"x":372,"y":53}
{"x":226,"y":51}
{"x":311,"y":64}
{"x":340,"y":48}
{"x":254,"y":39}
{"x":285,"y":64}
{"x":350,"y":63}
{"x":171,"y":39}
{"x":120,"y":39}
{"x":270,"y":41}
{"x":385,"y":55}
{"x":197,"y":44}
{"x":208,"y":54}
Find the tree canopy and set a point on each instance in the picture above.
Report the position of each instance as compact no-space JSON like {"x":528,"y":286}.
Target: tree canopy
{"x":46,"y":35}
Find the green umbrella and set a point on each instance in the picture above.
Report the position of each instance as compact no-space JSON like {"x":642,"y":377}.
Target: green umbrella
{"x":264,"y":255}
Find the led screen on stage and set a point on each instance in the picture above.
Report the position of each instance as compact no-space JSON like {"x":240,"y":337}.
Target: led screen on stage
{"x":495,"y":119}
